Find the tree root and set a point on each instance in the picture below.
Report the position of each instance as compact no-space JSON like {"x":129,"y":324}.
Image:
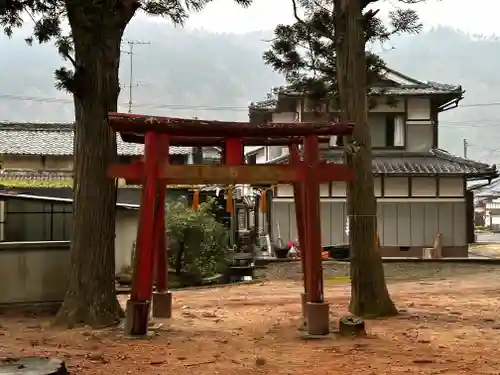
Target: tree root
{"x":74,"y":313}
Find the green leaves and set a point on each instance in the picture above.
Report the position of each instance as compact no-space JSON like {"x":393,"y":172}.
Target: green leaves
{"x":198,"y":244}
{"x":305,"y":51}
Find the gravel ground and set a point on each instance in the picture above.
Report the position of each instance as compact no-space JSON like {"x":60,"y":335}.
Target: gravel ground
{"x":447,"y":327}
{"x":393,"y":271}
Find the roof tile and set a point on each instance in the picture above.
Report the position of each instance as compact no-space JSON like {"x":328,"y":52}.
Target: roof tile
{"x":56,"y":139}
{"x":433,"y":162}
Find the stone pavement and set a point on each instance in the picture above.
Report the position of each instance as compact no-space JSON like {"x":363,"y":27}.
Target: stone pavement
{"x":490,"y":250}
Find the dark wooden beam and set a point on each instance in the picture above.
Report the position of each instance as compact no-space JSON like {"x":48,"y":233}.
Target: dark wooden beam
{"x":123,"y":122}
{"x":220,"y":141}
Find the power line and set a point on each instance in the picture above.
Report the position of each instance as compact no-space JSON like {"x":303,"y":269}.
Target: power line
{"x":142,"y":105}
{"x":442,"y":123}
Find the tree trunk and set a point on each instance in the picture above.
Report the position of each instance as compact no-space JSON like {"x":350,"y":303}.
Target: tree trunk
{"x":369,"y":294}
{"x":90,"y":298}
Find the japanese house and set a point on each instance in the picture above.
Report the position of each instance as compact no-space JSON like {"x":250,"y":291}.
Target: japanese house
{"x":420,"y":188}
{"x":37,"y":158}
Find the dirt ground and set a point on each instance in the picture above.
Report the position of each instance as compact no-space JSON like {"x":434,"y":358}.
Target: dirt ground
{"x":448,"y":326}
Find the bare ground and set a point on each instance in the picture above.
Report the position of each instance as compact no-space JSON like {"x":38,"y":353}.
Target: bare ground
{"x":447,"y":326}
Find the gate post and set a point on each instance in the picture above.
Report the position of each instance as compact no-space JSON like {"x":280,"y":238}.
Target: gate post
{"x":137,"y":310}
{"x":298,"y":194}
{"x":317,"y":311}
{"x":162,"y":298}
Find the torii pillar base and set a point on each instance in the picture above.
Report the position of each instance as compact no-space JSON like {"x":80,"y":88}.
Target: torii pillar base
{"x":318,"y":318}
{"x":162,"y":305}
{"x":136,"y":318}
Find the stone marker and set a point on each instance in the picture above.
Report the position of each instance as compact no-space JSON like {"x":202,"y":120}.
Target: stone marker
{"x":351,"y":326}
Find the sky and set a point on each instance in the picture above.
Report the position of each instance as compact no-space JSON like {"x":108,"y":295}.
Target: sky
{"x":477,"y":16}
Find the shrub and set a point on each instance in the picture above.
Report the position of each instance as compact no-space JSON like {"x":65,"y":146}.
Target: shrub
{"x":197,"y":243}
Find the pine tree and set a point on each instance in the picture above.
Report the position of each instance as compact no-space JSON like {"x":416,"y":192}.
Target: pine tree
{"x":92,"y":49}
{"x":305,"y":51}
{"x":324,"y":54}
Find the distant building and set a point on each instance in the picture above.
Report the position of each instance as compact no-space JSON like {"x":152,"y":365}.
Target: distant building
{"x":41,"y":155}
{"x":420,"y":189}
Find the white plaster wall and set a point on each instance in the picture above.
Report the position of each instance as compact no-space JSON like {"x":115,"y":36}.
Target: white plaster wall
{"x":451,"y":187}
{"x":383,"y":106}
{"x":126,"y":233}
{"x":261,"y":156}
{"x":420,"y":135}
{"x":338,"y":189}
{"x":396,"y":187}
{"x":276,"y":151}
{"x":419,"y":109}
{"x":423,"y":187}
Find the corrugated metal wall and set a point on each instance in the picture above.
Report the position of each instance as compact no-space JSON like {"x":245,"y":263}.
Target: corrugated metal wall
{"x":400,"y":224}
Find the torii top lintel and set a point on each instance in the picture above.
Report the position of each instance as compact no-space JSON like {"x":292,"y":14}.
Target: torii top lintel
{"x":141,"y":124}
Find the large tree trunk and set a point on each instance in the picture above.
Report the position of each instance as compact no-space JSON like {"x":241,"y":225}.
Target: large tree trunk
{"x":369,"y":294}
{"x":91,"y":297}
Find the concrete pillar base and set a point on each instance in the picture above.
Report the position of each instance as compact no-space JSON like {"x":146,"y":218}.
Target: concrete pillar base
{"x":303,"y":304}
{"x":162,"y":304}
{"x":136,"y":318}
{"x":318,"y":318}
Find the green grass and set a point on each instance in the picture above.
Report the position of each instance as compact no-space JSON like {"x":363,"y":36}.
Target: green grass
{"x":12,"y":183}
{"x":60,"y":183}
{"x":338,"y":280}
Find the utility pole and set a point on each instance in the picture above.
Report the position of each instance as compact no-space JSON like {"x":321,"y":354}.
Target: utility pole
{"x":466,"y":144}
{"x":130,"y":52}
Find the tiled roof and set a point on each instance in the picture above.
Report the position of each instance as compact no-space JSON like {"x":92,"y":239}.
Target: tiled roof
{"x":55,"y":139}
{"x":265,"y":104}
{"x":488,"y":190}
{"x":433,"y":162}
{"x":413,"y":87}
{"x":423,"y":89}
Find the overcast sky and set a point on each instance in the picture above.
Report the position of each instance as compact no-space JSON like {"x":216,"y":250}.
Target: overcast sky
{"x":476,"y":16}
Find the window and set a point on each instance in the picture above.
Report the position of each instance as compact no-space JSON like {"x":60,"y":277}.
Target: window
{"x":178,"y":159}
{"x":126,"y":159}
{"x":252,"y":159}
{"x":394,"y":131}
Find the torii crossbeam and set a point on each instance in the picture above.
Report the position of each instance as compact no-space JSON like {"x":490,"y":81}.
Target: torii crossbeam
{"x":154,"y":173}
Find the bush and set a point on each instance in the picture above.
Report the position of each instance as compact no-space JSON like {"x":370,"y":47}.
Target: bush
{"x":197,"y":243}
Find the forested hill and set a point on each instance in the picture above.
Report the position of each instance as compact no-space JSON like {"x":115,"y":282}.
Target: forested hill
{"x":196,"y":73}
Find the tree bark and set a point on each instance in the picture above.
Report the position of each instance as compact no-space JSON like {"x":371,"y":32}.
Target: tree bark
{"x":97,"y":32}
{"x":369,"y":294}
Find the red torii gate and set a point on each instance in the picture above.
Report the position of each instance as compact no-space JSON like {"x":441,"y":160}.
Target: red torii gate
{"x":154,"y":173}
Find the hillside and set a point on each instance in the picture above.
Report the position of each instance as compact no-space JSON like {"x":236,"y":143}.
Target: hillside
{"x":196,"y":73}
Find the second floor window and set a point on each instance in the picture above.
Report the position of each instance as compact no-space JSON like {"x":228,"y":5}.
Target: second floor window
{"x":394,"y":131}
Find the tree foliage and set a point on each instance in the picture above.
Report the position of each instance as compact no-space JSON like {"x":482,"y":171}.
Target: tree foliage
{"x":198,"y":243}
{"x":305,"y":52}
